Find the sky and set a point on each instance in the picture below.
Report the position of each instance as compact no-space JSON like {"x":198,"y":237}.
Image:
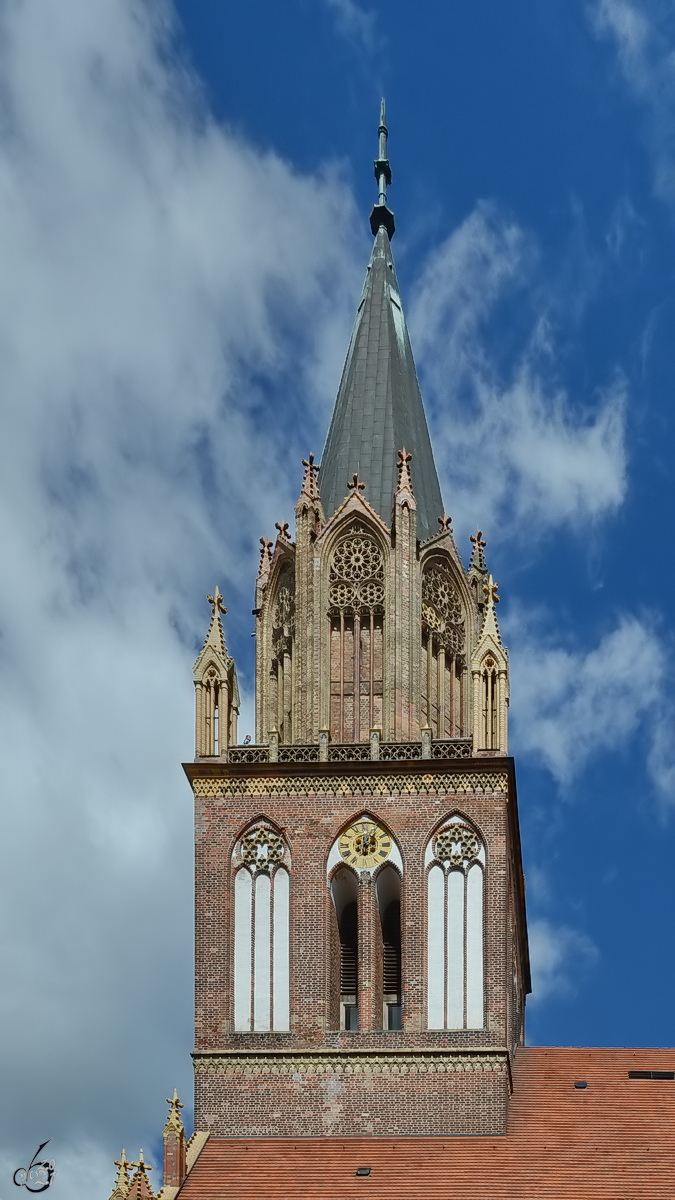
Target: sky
{"x":184,"y":200}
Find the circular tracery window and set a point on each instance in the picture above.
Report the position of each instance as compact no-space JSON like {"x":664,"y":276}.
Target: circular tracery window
{"x":457,"y":844}
{"x":261,"y":847}
{"x":357,"y":572}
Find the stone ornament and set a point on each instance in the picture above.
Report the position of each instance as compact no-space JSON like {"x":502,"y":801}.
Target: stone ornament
{"x":458,"y":845}
{"x":262,"y":847}
{"x":357,"y":573}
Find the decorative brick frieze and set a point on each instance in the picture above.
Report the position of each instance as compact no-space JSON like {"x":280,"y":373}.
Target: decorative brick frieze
{"x":287,"y":785}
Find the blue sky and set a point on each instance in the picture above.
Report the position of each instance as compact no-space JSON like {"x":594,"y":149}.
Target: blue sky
{"x":184,"y":194}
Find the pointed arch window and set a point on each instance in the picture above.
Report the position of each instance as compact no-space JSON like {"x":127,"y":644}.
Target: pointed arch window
{"x":490,"y":704}
{"x":261,"y":931}
{"x":455,"y":861}
{"x":356,"y":631}
{"x":365,"y":873}
{"x":443,"y":643}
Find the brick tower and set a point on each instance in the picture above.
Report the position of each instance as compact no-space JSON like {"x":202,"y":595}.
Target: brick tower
{"x":361,"y":947}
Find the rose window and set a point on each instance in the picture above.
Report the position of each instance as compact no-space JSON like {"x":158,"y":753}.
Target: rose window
{"x":357,"y":573}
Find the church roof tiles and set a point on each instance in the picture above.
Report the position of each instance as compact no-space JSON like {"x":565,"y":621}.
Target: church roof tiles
{"x":613,"y":1139}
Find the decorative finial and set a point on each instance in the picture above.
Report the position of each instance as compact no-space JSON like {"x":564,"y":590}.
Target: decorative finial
{"x":355,"y":484}
{"x":445,"y":523}
{"x":216,"y":602}
{"x":310,"y":480}
{"x":381,"y":215}
{"x":122,"y":1181}
{"x":283,"y":530}
{"x":173,"y":1120}
{"x":490,"y":588}
{"x":141,"y":1165}
{"x":477,"y":556}
{"x":404,"y":477}
{"x":265,"y":552}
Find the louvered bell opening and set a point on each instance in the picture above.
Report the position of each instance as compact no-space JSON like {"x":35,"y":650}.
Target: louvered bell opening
{"x":348,"y":950}
{"x":391,"y":944}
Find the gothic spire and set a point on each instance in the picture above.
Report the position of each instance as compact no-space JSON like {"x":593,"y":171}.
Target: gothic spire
{"x":379,"y":406}
{"x":381,"y":215}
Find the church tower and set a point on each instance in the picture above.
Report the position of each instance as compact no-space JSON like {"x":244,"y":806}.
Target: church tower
{"x":361,"y":946}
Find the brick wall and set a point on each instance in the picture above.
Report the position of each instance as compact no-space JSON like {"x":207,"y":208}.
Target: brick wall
{"x":311,"y":806}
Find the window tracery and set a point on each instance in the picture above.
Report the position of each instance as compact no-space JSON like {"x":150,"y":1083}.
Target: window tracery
{"x":455,"y":858}
{"x":356,"y":598}
{"x":261,"y":930}
{"x":444,"y":641}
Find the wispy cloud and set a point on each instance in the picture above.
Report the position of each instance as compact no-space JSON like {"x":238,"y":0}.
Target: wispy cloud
{"x":559,"y":956}
{"x":354,"y":22}
{"x":543,"y":458}
{"x":572,"y":703}
{"x":644,"y":36}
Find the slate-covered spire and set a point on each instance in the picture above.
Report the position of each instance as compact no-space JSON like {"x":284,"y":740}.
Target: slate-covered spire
{"x":379,"y":407}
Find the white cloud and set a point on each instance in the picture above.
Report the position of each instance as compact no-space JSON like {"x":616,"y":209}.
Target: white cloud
{"x":572,"y":703}
{"x":158,"y":272}
{"x":558,"y":957}
{"x":644,"y":35}
{"x":512,"y":434}
{"x":354,"y":22}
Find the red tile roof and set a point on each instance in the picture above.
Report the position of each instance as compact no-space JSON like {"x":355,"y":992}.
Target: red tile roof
{"x":613,"y":1140}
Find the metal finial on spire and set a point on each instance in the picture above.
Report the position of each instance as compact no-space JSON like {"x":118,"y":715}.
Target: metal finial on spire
{"x":381,"y":215}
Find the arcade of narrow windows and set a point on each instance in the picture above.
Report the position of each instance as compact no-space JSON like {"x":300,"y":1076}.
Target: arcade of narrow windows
{"x":356,"y":631}
{"x":366,"y":897}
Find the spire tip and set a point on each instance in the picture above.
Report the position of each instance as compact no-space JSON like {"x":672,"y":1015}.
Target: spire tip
{"x":381,"y":214}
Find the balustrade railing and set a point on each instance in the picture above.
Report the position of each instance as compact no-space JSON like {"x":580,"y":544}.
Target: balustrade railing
{"x":352,"y":751}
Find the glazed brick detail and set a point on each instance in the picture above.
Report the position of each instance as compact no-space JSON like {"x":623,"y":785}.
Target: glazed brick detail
{"x":345,"y":1096}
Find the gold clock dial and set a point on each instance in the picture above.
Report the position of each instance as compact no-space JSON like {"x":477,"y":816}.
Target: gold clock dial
{"x":365,"y":844}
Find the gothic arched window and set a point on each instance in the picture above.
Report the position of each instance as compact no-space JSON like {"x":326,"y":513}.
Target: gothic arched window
{"x":356,"y":615}
{"x":490,"y":705}
{"x":261,"y":930}
{"x":283,"y":629}
{"x":443,"y":641}
{"x":365,"y":871}
{"x":455,"y":861}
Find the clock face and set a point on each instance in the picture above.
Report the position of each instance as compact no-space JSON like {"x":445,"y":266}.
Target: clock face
{"x":364,"y":844}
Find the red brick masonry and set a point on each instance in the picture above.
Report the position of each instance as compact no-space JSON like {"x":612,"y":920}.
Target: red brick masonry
{"x":613,"y":1140}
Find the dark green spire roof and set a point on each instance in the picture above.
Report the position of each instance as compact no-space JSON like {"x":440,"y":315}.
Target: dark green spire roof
{"x":379,"y":408}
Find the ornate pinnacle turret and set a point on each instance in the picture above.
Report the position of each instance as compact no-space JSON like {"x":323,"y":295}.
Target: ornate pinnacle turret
{"x":310,"y":484}
{"x":140,"y":1188}
{"x":490,"y":626}
{"x":265,"y":560}
{"x":477,"y":557}
{"x":215,"y":637}
{"x":381,"y":215}
{"x":404,"y":477}
{"x":121,"y":1186}
{"x":174,"y":1122}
